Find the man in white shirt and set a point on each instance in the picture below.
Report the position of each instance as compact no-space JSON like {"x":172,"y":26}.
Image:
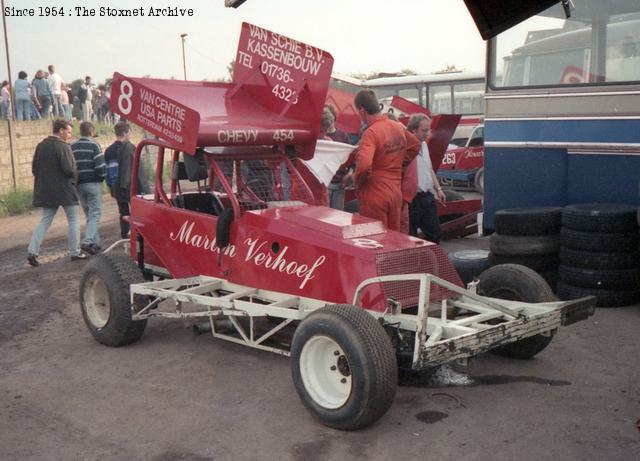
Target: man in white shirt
{"x":423,"y":211}
{"x":55,"y":82}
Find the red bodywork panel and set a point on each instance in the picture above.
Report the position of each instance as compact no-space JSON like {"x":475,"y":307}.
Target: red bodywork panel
{"x":442,"y":128}
{"x":278,"y":239}
{"x":463,"y":158}
{"x":348,"y":118}
{"x":277,"y":96}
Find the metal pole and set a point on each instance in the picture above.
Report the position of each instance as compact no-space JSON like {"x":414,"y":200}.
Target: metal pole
{"x":13,"y":105}
{"x":184,"y":62}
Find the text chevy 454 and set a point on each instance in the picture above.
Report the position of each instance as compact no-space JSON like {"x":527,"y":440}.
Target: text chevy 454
{"x":231,"y":235}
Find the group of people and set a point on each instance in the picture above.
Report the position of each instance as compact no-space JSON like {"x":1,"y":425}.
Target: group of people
{"x":47,"y":95}
{"x":391,"y":169}
{"x":71,"y":175}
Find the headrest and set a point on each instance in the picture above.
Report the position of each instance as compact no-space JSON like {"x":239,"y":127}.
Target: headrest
{"x":179,"y":172}
{"x":196,"y":166}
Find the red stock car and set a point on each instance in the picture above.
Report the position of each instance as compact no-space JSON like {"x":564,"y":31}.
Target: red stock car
{"x":231,"y":236}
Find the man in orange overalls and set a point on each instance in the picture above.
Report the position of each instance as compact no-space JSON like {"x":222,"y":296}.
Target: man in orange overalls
{"x":385,"y":149}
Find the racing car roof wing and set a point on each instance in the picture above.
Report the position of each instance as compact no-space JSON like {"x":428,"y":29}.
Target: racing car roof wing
{"x":276,"y":97}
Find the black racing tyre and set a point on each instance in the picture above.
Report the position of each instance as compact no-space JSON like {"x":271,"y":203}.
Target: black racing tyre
{"x":469,"y":263}
{"x":604,"y":298}
{"x":596,"y":260}
{"x":539,"y":263}
{"x":600,"y":217}
{"x":344,"y":367}
{"x":527,"y":221}
{"x":551,"y":277}
{"x":620,"y":279}
{"x":516,"y":245}
{"x":105,"y":299}
{"x":478,"y":180}
{"x":514,"y":282}
{"x":599,"y":241}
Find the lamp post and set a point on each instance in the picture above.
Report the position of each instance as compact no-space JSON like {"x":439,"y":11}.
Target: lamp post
{"x":184,"y":62}
{"x":10,"y":116}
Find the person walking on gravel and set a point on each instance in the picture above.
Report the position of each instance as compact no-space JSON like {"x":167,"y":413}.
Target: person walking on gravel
{"x":55,"y":173}
{"x":91,"y":173}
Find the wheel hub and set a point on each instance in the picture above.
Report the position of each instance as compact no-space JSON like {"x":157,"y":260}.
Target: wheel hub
{"x":96,"y":302}
{"x":326,"y":372}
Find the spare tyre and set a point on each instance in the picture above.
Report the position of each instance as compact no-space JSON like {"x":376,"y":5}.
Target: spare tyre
{"x":600,"y":217}
{"x":512,"y":245}
{"x":528,"y":221}
{"x":610,"y":279}
{"x":518,"y":283}
{"x":599,"y":260}
{"x":604,"y":298}
{"x":599,"y":241}
{"x":539,"y":263}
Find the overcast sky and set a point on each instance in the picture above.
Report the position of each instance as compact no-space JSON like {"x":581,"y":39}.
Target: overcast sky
{"x":362,"y":36}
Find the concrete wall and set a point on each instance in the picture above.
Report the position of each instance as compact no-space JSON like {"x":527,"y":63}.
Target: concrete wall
{"x":26,"y":136}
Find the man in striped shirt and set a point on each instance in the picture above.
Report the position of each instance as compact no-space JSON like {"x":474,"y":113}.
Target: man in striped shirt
{"x":91,"y":173}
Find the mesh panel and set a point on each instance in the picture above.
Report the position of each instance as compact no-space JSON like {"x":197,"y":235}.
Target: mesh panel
{"x":427,"y":259}
{"x":258,"y":182}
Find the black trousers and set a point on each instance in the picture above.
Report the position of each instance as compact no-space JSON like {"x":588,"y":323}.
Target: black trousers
{"x":123,"y":209}
{"x":423,"y":214}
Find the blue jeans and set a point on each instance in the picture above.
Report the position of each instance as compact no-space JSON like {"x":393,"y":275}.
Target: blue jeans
{"x":23,"y":109}
{"x":336,"y":196}
{"x":73,"y":218}
{"x":58,"y":111}
{"x":45,"y":108}
{"x":85,"y":111}
{"x":91,"y":201}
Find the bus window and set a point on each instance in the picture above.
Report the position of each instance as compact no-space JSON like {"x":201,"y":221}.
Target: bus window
{"x":412,"y":94}
{"x":440,"y":99}
{"x":468,"y":98}
{"x":549,"y":50}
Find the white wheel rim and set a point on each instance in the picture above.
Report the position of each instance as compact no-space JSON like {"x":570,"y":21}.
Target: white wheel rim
{"x":96,"y":301}
{"x":326,"y":372}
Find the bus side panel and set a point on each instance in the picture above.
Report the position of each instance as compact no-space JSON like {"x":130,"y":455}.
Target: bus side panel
{"x":516,"y":177}
{"x":604,"y":178}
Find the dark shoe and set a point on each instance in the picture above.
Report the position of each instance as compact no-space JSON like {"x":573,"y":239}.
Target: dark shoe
{"x":79,"y":257}
{"x":90,"y":249}
{"x":33,"y":260}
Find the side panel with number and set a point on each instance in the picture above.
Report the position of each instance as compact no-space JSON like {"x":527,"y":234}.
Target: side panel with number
{"x":166,"y":118}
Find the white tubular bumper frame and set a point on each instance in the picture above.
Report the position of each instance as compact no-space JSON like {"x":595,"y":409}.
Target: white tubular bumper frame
{"x":486,"y":323}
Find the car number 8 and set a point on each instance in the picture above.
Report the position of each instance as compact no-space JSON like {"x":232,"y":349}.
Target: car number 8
{"x":124,"y":100}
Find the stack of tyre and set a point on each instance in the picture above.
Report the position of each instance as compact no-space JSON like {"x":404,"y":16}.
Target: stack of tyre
{"x":599,"y":254}
{"x":530,"y":237}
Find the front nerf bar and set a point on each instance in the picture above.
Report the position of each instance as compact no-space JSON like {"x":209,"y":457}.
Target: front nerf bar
{"x":486,"y":323}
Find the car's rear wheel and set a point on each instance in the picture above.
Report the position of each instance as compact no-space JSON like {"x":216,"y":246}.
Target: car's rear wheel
{"x":344,"y":367}
{"x":518,"y":283}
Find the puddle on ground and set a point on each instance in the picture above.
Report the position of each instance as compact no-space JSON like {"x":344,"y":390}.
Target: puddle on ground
{"x":430,"y":417}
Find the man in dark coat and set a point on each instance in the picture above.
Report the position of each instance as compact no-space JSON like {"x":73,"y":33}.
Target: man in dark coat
{"x":119,"y":159}
{"x":54,"y":169}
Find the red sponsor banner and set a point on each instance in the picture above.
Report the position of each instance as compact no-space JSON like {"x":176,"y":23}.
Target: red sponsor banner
{"x":164,"y":117}
{"x":287,"y":77}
